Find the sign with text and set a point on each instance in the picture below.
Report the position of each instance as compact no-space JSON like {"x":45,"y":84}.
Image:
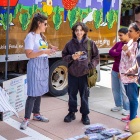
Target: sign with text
{"x":17,"y":91}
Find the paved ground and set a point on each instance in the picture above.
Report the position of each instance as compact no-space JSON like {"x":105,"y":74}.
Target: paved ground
{"x":55,"y":109}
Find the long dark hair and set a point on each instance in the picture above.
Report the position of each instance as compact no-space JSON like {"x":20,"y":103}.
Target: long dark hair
{"x":84,"y":28}
{"x":38,"y":17}
{"x":134,"y":26}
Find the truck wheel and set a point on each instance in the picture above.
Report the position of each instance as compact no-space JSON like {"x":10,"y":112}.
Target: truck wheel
{"x":58,"y":78}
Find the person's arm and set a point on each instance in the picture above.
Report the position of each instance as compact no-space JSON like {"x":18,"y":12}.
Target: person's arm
{"x":95,"y":58}
{"x":133,"y":69}
{"x":30,"y":54}
{"x":53,"y":47}
{"x":126,"y":51}
{"x":113,"y":52}
{"x":67,"y":56}
{"x":29,"y":46}
{"x":131,"y":53}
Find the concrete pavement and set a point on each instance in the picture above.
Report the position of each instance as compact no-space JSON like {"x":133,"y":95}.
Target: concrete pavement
{"x":100,"y":102}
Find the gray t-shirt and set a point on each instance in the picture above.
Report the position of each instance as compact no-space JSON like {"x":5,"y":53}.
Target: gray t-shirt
{"x":35,"y":42}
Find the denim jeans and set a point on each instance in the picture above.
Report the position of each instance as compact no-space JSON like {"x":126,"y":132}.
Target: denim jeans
{"x":76,"y":84}
{"x":132,"y":92}
{"x":118,"y":90}
{"x":32,"y":106}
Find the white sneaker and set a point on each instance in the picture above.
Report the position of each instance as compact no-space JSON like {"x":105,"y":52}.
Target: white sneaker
{"x":116,"y":109}
{"x":125,"y":112}
{"x":24,"y":124}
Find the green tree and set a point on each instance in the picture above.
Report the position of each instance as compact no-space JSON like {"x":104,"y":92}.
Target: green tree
{"x":127,"y":4}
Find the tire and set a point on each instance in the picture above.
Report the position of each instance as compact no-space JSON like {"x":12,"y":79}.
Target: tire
{"x":58,"y":78}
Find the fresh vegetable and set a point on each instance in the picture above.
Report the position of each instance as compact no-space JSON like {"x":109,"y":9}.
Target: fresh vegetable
{"x":97,"y":17}
{"x":73,"y":16}
{"x":111,"y":18}
{"x":3,"y":20}
{"x":24,"y":20}
{"x":57,"y":18}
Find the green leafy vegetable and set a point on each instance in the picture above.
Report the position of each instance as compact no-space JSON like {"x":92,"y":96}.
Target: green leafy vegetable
{"x":73,"y":16}
{"x":97,"y":18}
{"x":24,"y":20}
{"x":57,"y":18}
{"x":3,"y":20}
{"x":111,"y":18}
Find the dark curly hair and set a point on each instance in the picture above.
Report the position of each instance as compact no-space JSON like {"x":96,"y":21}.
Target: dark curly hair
{"x":84,"y":28}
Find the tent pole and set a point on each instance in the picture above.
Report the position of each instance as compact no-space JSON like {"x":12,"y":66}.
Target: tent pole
{"x":7,"y":39}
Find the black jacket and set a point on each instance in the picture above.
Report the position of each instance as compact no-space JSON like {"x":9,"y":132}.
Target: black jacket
{"x":79,"y":68}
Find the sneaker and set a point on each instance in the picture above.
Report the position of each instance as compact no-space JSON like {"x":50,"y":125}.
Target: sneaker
{"x":24,"y":124}
{"x":85,"y":120}
{"x":125,"y":119}
{"x":40,"y":118}
{"x":125,"y":112}
{"x":71,"y":116}
{"x":116,"y":109}
{"x":127,"y":127}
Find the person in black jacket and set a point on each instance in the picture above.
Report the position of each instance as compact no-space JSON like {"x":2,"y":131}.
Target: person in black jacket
{"x":75,"y":54}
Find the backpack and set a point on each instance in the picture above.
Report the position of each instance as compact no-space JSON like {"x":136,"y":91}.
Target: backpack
{"x":92,"y":75}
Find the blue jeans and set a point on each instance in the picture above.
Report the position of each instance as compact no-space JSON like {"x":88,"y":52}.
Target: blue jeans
{"x":132,"y":92}
{"x":118,"y":91}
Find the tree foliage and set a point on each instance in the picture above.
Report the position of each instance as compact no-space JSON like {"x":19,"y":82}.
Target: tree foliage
{"x":127,"y":4}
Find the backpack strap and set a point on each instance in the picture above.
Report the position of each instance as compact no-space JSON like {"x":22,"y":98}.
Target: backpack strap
{"x":89,"y":50}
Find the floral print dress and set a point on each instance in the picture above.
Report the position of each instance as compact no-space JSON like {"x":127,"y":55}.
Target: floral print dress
{"x":128,"y":62}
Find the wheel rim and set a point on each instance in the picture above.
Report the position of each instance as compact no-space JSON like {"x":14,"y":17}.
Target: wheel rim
{"x":59,"y":78}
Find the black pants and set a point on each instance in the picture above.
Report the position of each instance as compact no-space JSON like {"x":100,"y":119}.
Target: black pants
{"x":76,"y":84}
{"x":32,"y":106}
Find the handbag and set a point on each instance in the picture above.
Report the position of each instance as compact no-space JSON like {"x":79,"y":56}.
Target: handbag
{"x":92,"y":75}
